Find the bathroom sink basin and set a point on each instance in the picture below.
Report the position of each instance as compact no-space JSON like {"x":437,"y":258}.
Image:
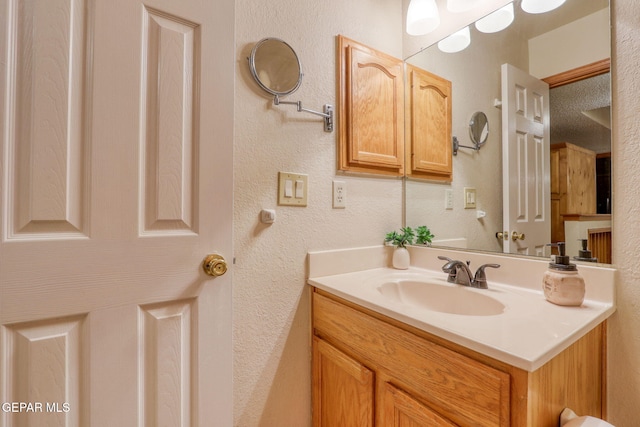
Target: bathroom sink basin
{"x":441,"y":297}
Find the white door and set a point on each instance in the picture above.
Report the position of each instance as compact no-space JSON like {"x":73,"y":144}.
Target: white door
{"x":525,"y":163}
{"x":115,"y":169}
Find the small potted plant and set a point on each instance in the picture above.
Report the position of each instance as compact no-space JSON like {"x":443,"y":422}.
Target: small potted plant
{"x":400,"y":240}
{"x":424,"y":236}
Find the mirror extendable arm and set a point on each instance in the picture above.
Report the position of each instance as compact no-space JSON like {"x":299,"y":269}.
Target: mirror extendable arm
{"x":457,"y":146}
{"x":276,"y":68}
{"x":327,"y":114}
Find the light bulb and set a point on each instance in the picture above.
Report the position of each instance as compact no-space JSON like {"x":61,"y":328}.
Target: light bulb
{"x":422,"y":17}
{"x":456,"y":42}
{"x":540,"y":6}
{"x":496,"y":21}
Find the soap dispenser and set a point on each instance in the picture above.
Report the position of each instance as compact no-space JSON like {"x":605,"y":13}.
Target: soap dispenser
{"x":561,"y":283}
{"x":585,"y":254}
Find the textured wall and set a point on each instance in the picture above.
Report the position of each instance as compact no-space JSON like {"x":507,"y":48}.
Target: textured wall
{"x":271,"y":307}
{"x":624,"y":326}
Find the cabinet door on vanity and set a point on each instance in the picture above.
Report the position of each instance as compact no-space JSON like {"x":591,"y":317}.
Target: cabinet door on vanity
{"x":343,"y":389}
{"x":399,"y":409}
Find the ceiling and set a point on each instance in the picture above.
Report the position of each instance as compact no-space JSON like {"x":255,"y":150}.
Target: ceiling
{"x":531,"y":25}
{"x":568,"y":105}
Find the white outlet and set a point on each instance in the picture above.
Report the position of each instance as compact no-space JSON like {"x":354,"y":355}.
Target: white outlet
{"x":339,"y":194}
{"x":448,"y":199}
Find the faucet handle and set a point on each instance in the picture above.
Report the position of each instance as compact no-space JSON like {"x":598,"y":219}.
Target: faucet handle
{"x":451,"y":278}
{"x":480,"y":279}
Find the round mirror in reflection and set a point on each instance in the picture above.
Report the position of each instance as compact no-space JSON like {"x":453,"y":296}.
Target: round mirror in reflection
{"x":275,"y":66}
{"x":479,"y":128}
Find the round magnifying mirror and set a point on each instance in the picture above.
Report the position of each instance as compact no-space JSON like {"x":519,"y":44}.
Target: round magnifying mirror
{"x":275,"y":66}
{"x":479,"y":128}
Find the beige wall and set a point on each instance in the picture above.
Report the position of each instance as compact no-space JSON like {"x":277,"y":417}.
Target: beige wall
{"x":271,"y":308}
{"x":570,"y":46}
{"x":624,"y":326}
{"x":272,"y":328}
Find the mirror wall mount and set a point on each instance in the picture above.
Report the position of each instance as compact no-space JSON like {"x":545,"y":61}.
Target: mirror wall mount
{"x":276,"y":68}
{"x":327,"y":114}
{"x":457,"y":146}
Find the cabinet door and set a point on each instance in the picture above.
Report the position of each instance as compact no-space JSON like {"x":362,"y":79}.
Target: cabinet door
{"x":399,"y":409}
{"x":371,"y":110}
{"x":343,"y":389}
{"x":429,"y":127}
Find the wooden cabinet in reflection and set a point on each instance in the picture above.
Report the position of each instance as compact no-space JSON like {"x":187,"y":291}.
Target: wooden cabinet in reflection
{"x":573,"y":185}
{"x":429,"y":150}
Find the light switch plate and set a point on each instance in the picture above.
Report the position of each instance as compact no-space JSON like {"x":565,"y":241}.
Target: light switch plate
{"x":469,"y":198}
{"x":297,"y":183}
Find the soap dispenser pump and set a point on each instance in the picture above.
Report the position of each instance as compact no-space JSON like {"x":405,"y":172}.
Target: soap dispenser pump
{"x":561,"y":283}
{"x":584,"y":254}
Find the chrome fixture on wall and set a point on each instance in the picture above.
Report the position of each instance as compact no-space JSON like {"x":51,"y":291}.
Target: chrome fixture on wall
{"x":276,"y":68}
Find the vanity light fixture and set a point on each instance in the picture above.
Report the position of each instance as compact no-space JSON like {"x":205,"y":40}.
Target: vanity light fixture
{"x":456,"y":42}
{"x":422,"y":17}
{"x":457,"y":6}
{"x":496,"y":21}
{"x":540,"y":6}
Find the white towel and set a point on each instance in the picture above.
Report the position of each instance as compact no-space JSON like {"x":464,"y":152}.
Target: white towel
{"x":568,"y":418}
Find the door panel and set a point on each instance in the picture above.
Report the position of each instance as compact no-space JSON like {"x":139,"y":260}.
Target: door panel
{"x":525,"y":165}
{"x":107,"y":211}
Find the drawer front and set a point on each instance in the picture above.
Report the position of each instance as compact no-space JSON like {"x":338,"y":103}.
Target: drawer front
{"x":460,"y":388}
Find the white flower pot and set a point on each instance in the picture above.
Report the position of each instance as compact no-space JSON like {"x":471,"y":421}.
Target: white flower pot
{"x":400,"y":258}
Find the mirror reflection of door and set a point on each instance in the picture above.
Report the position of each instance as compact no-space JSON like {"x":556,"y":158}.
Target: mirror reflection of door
{"x":525,"y":162}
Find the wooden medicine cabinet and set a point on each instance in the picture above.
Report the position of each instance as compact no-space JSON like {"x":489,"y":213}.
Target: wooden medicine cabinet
{"x":371,"y":110}
{"x":372,"y":119}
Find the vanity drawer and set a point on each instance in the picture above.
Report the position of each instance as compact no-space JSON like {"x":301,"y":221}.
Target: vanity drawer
{"x":463,"y":390}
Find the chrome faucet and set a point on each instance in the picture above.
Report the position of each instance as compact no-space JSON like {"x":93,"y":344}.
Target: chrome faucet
{"x":460,"y":273}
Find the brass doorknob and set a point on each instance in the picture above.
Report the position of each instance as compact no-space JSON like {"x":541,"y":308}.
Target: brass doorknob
{"x":517,"y":236}
{"x":214,"y":265}
{"x":502,"y":235}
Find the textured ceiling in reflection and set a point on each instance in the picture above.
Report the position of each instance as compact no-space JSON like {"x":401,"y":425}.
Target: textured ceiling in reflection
{"x":569,"y":123}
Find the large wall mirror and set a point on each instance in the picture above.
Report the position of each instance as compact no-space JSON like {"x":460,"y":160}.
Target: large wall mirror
{"x":579,"y":117}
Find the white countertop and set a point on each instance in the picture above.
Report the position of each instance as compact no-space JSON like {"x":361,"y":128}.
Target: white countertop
{"x":527,"y":334}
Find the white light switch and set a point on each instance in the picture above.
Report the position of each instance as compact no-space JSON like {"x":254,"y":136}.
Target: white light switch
{"x":299,"y":189}
{"x":288,"y":188}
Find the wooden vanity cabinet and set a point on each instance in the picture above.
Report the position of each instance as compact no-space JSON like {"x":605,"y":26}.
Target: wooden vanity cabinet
{"x":371,"y":370}
{"x":370,"y":111}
